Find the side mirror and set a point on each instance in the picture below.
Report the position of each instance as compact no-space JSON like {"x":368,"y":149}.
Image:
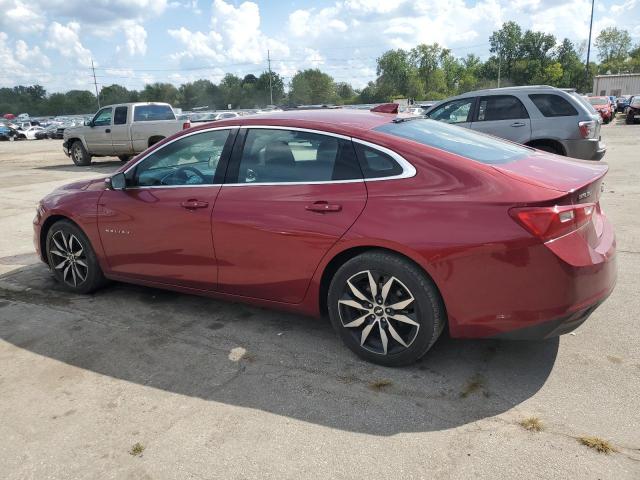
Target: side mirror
{"x":89,"y":123}
{"x":116,"y":182}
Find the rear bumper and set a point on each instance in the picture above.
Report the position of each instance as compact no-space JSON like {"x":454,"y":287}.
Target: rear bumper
{"x":587,"y":149}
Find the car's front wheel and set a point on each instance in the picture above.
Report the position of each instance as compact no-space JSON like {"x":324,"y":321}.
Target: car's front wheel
{"x":79,"y":154}
{"x":72,"y":259}
{"x":385,"y":308}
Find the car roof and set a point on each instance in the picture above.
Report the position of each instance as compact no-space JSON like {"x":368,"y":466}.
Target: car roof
{"x":343,"y":121}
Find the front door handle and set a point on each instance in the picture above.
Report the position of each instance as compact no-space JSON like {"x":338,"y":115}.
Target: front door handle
{"x":107,"y":130}
{"x":518,"y":124}
{"x":193,"y":204}
{"x":323,"y":207}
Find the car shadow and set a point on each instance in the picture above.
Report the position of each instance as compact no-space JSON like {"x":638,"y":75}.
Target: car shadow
{"x":100,"y":165}
{"x":288,"y":365}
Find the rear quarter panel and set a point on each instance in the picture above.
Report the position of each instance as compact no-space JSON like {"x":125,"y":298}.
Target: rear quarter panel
{"x":141,"y":132}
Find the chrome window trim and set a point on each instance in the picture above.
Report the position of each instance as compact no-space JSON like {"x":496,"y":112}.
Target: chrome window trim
{"x":408,"y":170}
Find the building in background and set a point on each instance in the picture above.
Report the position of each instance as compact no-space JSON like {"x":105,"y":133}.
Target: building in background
{"x":616,"y":85}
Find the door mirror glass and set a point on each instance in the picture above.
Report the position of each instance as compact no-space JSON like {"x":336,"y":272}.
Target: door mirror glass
{"x":116,"y":182}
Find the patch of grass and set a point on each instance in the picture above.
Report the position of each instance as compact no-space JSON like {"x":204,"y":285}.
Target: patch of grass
{"x":533,"y":424}
{"x":475,"y":384}
{"x":379,"y":385}
{"x":137,"y":449}
{"x":598,"y":444}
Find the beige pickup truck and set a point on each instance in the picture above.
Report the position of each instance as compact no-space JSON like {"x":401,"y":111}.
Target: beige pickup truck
{"x":121,"y":131}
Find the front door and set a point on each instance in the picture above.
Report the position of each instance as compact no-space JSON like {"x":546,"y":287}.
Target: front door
{"x":289,"y":197}
{"x":503,"y":116}
{"x":98,"y":135}
{"x":159,"y":227}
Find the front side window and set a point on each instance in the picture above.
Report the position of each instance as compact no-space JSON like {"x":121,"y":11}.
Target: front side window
{"x":460,"y":141}
{"x":191,"y":160}
{"x":153,"y":113}
{"x":456,"y":111}
{"x":103,"y":117}
{"x":120,"y":116}
{"x":285,"y":156}
{"x":552,"y":105}
{"x":501,"y":107}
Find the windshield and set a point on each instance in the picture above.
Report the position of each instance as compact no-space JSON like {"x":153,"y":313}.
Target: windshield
{"x":598,"y":101}
{"x":458,"y":140}
{"x":636,"y":102}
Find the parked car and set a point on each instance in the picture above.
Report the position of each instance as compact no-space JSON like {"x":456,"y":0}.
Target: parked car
{"x":30,"y":132}
{"x":622,"y":102}
{"x":542,"y":117}
{"x":7,"y":133}
{"x":212,"y":116}
{"x":42,"y":134}
{"x":122,"y":131}
{"x":397,"y":227}
{"x":602,"y":105}
{"x":633,"y":110}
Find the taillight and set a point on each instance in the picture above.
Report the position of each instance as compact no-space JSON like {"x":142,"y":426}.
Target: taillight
{"x":186,"y":125}
{"x":588,"y":129}
{"x":548,"y":223}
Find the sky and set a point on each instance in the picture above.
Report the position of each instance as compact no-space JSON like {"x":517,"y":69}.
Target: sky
{"x":133,"y":42}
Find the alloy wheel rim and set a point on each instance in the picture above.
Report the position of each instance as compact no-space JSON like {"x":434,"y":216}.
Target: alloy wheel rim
{"x":379,"y":311}
{"x":77,"y":154}
{"x":68,"y":255}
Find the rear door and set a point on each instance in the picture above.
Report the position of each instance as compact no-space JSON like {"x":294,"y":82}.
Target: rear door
{"x":503,"y":116}
{"x":120,"y":133}
{"x":289,"y":196}
{"x":98,"y":135}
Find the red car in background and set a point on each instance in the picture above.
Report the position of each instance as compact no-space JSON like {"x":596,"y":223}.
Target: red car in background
{"x":603,"y":106}
{"x":395,"y":227}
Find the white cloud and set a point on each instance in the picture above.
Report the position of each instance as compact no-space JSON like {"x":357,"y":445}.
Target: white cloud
{"x":21,"y":63}
{"x":136,"y":39}
{"x":103,"y":12}
{"x":65,"y":39}
{"x":20,"y":17}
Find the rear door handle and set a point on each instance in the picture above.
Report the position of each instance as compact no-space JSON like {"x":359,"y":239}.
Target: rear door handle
{"x":518,"y":124}
{"x":193,"y":204}
{"x":323,"y":207}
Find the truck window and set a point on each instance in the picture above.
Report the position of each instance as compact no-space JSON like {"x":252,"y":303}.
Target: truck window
{"x":152,"y":113}
{"x":102,"y":118}
{"x":120,"y":116}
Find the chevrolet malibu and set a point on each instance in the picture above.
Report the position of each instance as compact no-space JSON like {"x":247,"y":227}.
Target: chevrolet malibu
{"x":394,"y":227}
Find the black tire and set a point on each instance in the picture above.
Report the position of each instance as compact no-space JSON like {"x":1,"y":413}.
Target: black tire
{"x":79,"y":154}
{"x":548,"y":148}
{"x":426,"y":310}
{"x":63,"y":239}
{"x":124,"y":158}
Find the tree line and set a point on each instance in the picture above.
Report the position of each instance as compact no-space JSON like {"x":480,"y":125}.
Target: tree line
{"x":425,"y":72}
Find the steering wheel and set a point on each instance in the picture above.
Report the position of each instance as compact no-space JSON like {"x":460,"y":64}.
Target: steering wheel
{"x":186,"y":175}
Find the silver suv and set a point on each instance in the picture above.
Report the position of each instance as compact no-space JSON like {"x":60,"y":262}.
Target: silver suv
{"x":543,"y":117}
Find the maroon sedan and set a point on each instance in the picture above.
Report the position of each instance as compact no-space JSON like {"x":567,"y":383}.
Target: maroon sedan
{"x":395,"y":227}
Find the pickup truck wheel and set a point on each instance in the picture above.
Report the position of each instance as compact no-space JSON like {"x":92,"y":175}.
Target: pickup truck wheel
{"x":79,"y":154}
{"x":124,"y":158}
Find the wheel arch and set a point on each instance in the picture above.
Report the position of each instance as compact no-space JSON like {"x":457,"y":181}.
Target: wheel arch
{"x":46,"y":226}
{"x":340,"y":258}
{"x":72,"y":140}
{"x":550,"y":142}
{"x":155,"y":139}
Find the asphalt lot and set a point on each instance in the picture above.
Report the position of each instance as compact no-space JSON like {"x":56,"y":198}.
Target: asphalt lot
{"x":85,"y":379}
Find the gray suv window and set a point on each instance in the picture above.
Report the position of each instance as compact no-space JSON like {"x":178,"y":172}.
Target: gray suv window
{"x":551,"y":105}
{"x":460,"y":141}
{"x":500,"y":107}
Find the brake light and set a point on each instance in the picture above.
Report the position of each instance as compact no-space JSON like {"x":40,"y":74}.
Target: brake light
{"x":587,"y":129}
{"x":186,"y":125}
{"x":548,"y":223}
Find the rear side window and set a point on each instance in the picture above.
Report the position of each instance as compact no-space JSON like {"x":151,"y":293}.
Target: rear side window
{"x":461,"y":141}
{"x":120,"y":116}
{"x":151,"y":113}
{"x":552,"y":105}
{"x":376,"y":164}
{"x":501,"y":107}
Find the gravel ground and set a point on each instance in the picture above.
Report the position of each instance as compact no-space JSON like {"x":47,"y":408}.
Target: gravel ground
{"x":134,"y":382}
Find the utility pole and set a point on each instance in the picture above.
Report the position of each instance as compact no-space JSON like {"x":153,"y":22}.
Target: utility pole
{"x":499,"y":61}
{"x":270,"y":87}
{"x":95,"y":83}
{"x":586,"y":70}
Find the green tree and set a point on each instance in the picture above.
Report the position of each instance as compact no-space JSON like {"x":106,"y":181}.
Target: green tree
{"x":505,"y":43}
{"x":159,"y":92}
{"x":613,"y":46}
{"x":262,"y":89}
{"x":116,"y":94}
{"x":345,"y":92}
{"x":312,"y":87}
{"x":80,"y":102}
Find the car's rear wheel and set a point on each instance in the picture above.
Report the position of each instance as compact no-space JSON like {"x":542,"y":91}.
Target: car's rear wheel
{"x":385,"y":308}
{"x":124,"y":158}
{"x":72,"y":259}
{"x":79,"y":154}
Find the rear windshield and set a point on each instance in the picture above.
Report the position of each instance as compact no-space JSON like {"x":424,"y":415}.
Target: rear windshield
{"x":150,"y":113}
{"x":458,"y":140}
{"x":552,"y":105}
